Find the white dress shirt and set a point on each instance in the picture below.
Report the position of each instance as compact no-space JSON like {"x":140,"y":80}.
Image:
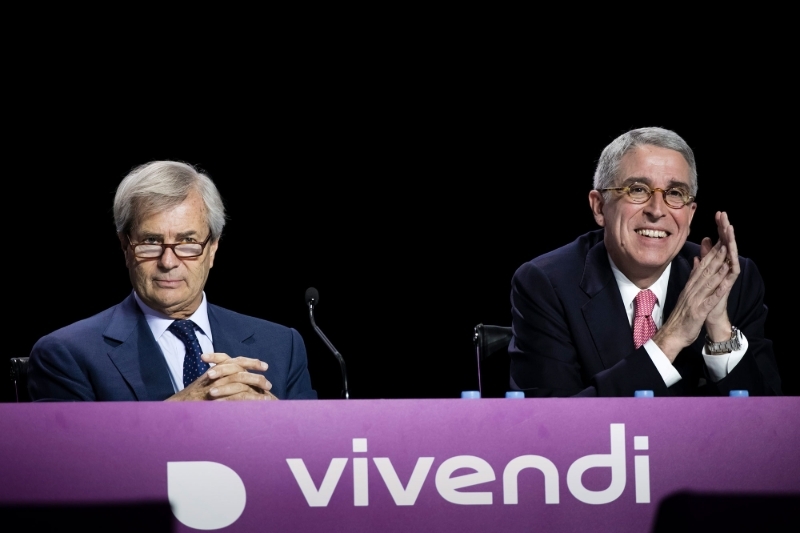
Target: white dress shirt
{"x":718,"y":366}
{"x":171,"y":346}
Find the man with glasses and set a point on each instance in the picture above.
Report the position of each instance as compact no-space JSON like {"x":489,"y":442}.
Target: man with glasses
{"x":634,"y":306}
{"x":165,"y":341}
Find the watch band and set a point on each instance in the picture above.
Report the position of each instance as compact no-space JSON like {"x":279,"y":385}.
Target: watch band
{"x":727,"y":346}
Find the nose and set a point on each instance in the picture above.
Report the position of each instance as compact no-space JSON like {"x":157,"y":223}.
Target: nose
{"x":168,"y":259}
{"x":656,"y":205}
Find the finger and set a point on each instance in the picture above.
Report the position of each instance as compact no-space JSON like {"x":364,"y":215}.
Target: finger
{"x":247,"y":363}
{"x":224,"y":369}
{"x":245,"y":395}
{"x":719,"y":220}
{"x":215,"y":357}
{"x":719,"y":297}
{"x":257,"y":381}
{"x":710,"y":258}
{"x":242,"y":390}
{"x":228,"y":389}
{"x":250,"y":363}
{"x":728,"y":238}
{"x":733,"y":250}
{"x":708,"y":272}
{"x":710,"y":283}
{"x":226,"y":366}
{"x":712,"y":300}
{"x":233,"y":366}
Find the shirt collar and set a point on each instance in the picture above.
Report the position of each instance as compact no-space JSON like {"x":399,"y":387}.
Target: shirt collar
{"x":628,"y":290}
{"x":159,"y":322}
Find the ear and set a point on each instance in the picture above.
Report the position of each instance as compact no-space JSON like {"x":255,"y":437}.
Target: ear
{"x":596,"y":202}
{"x":212,"y":252}
{"x":692,"y":208}
{"x":125,"y":245}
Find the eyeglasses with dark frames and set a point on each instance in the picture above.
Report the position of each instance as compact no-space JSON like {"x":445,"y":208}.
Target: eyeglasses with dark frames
{"x":180,"y":249}
{"x":639,"y":193}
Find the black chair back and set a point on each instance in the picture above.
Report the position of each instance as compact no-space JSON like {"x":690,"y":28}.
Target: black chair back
{"x":19,"y":378}
{"x":491,"y":353}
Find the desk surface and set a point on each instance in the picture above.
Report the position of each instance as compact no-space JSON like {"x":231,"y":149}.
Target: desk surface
{"x":402,"y":465}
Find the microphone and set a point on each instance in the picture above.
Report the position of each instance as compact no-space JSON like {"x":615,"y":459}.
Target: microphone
{"x":312,"y":300}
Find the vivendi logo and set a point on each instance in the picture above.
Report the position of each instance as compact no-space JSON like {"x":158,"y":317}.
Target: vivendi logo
{"x":206,"y":495}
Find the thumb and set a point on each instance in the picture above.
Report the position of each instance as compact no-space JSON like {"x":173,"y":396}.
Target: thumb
{"x":705,"y":247}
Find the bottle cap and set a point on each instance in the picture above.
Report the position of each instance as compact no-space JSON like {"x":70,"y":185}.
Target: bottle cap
{"x":470,"y":394}
{"x":739,"y":393}
{"x":643,"y":394}
{"x":515,"y":394}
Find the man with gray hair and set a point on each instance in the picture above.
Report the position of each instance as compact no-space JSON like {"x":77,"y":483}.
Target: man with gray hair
{"x":634,"y":306}
{"x":165,"y":341}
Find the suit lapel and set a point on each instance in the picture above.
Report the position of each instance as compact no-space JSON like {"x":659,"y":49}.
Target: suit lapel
{"x":604,"y":312}
{"x":229,"y":336}
{"x":138,"y":357}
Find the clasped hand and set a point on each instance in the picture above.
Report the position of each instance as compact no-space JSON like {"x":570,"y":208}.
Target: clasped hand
{"x":229,"y":379}
{"x":704,"y":299}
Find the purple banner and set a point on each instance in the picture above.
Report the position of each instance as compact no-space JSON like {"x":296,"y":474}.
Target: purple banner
{"x":401,"y":465}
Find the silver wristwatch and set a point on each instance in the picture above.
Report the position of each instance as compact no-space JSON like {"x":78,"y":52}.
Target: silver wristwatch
{"x":728,"y":346}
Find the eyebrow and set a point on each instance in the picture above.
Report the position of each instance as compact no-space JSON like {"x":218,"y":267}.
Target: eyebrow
{"x":649,"y":182}
{"x":178,"y":236}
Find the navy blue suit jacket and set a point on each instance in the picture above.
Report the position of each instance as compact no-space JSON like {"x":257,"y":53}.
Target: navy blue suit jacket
{"x":572,"y":337}
{"x":113,"y":356}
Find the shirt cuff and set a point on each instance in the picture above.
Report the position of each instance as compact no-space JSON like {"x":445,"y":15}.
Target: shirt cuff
{"x":719,"y":366}
{"x":664,"y":367}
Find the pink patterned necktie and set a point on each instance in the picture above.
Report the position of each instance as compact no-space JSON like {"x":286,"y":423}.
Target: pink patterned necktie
{"x":643,"y":325}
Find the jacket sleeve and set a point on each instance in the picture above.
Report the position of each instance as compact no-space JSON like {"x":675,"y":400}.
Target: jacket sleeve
{"x":298,"y":380}
{"x":54,"y":373}
{"x":757,"y":372}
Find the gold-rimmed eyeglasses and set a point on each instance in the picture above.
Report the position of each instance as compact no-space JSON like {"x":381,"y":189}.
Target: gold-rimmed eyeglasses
{"x":639,"y":193}
{"x":180,"y":249}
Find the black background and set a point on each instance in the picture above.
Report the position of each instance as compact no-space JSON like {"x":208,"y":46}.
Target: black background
{"x":408,"y":200}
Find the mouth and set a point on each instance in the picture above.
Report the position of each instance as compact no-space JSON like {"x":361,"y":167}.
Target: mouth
{"x":652,"y":233}
{"x":167,"y":282}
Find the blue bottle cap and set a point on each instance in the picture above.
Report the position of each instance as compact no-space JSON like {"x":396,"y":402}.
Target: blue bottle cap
{"x":515,"y":394}
{"x":470,"y":394}
{"x":739,"y":393}
{"x":643,"y":394}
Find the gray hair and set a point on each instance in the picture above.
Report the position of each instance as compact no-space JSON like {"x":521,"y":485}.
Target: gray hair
{"x":160,"y":185}
{"x":608,"y":166}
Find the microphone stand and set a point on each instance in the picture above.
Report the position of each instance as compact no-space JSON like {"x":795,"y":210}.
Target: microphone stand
{"x":345,"y":391}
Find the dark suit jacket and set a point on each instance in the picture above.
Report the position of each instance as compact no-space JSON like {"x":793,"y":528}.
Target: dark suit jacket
{"x":572,"y":336}
{"x":113,"y":356}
